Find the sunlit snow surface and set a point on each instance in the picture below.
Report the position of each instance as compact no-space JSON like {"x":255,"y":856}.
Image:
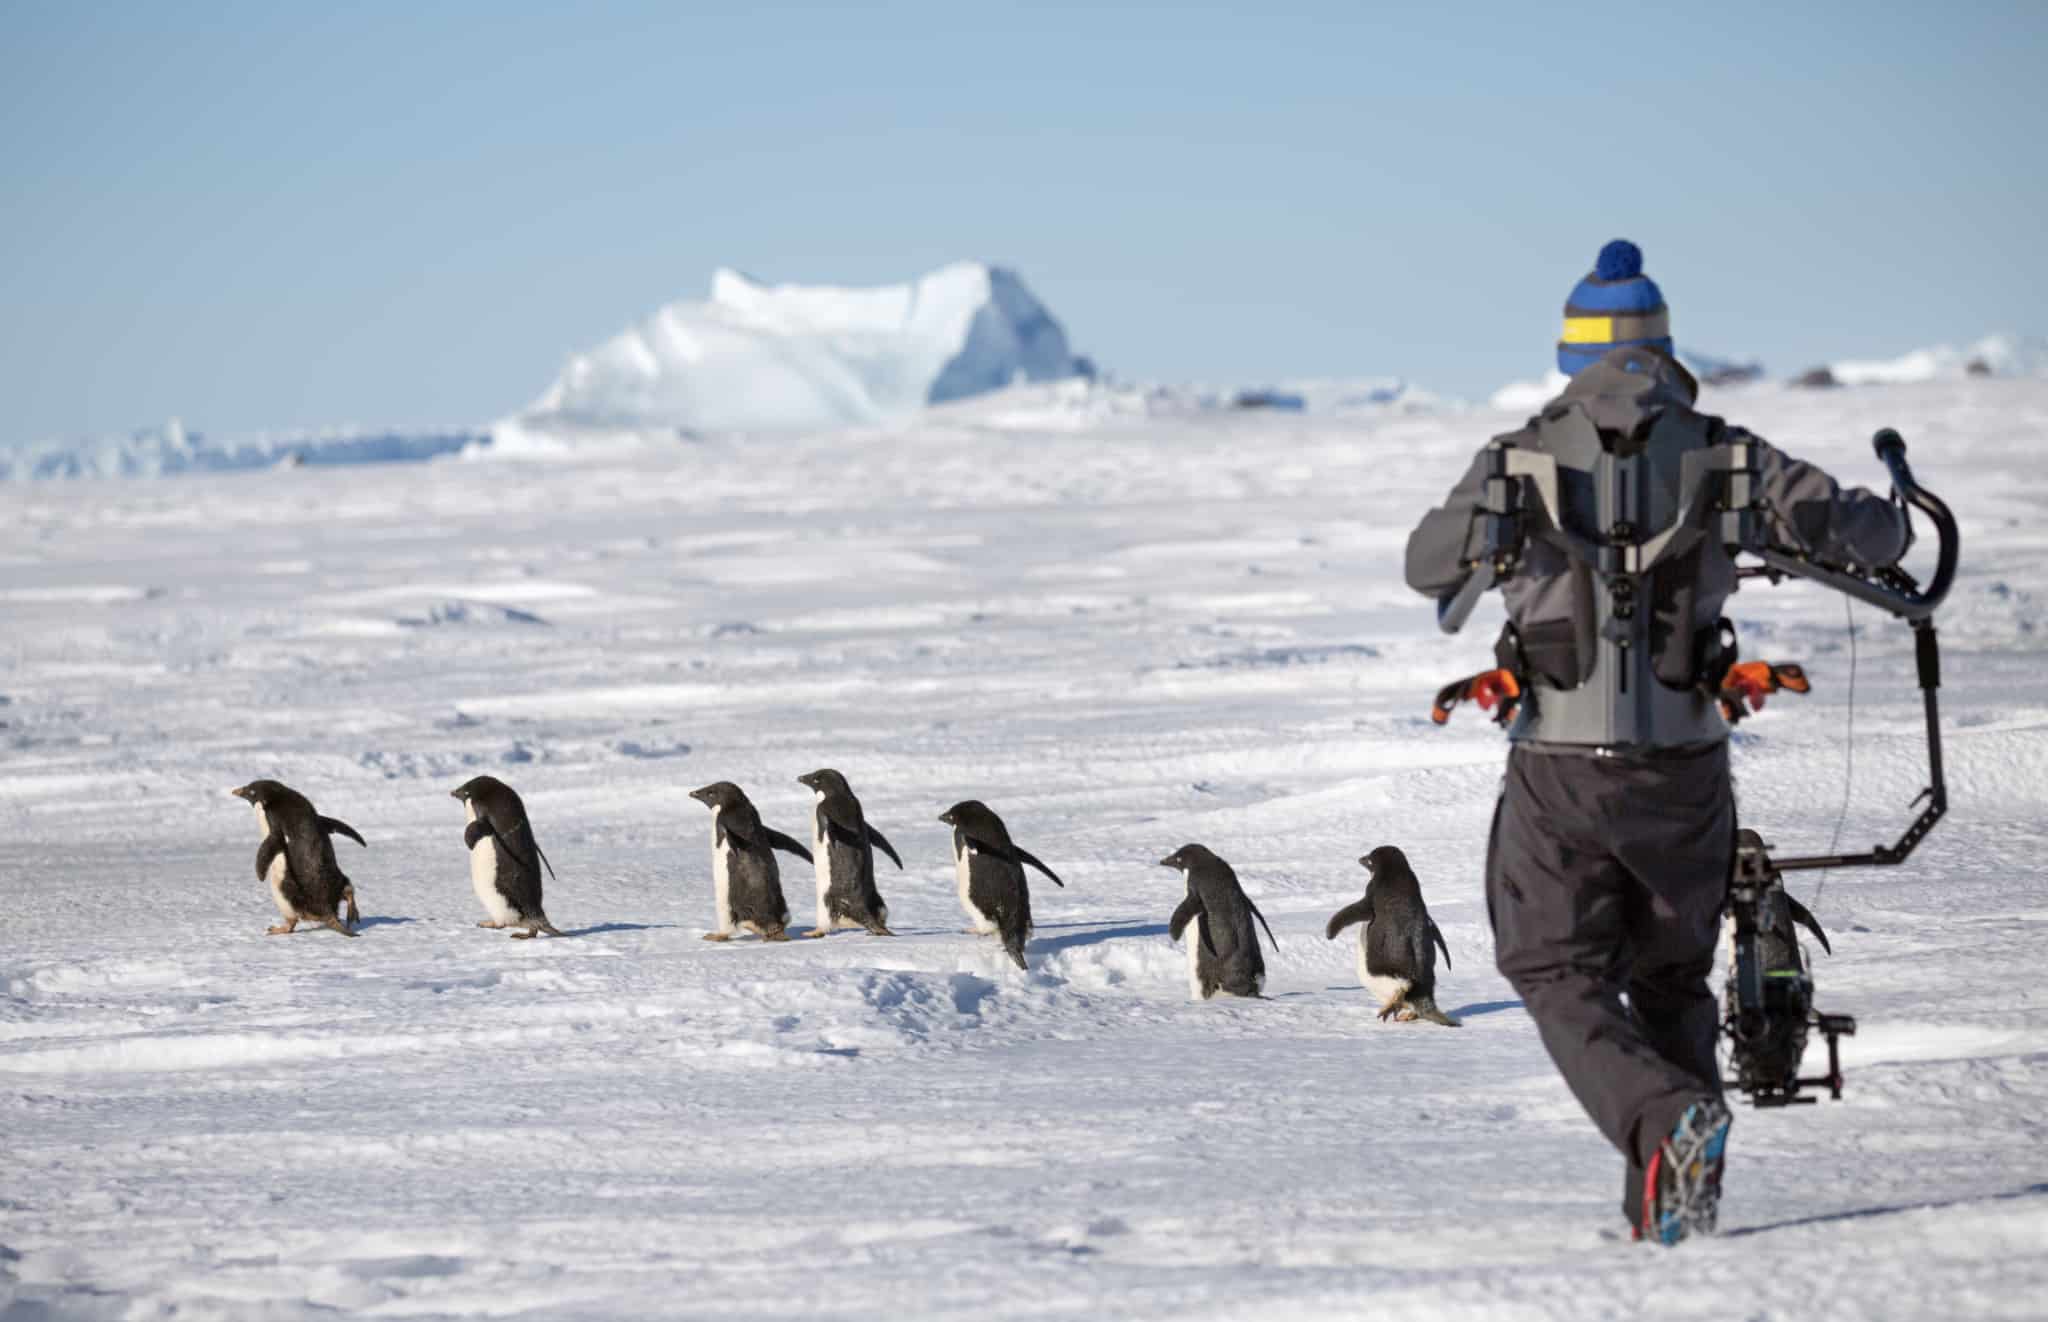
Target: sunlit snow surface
{"x":1123,"y":635}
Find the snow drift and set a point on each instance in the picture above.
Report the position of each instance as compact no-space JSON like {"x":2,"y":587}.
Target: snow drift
{"x":1708,"y":369}
{"x":1081,"y":403}
{"x":1994,"y":355}
{"x":759,"y":357}
{"x":172,"y":448}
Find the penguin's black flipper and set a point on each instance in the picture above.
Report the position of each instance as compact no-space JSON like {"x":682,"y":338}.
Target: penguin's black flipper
{"x":842,"y":816}
{"x":775,"y":839}
{"x":1437,"y":932}
{"x":333,"y":827}
{"x":483,"y":826}
{"x":1804,"y":916}
{"x":531,"y":866}
{"x":266,"y":854}
{"x":1358,"y":911}
{"x":1262,"y":921}
{"x":983,"y":845}
{"x":875,"y":838}
{"x":1189,"y":910}
{"x":1024,"y":857}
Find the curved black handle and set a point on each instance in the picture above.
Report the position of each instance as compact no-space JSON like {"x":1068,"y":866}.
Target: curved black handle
{"x":1891,"y":452}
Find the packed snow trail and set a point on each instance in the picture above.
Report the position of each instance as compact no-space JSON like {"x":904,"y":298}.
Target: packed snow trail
{"x":1123,"y":634}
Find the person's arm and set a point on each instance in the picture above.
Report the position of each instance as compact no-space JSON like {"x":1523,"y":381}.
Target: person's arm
{"x":1447,"y":539}
{"x":1808,"y":510}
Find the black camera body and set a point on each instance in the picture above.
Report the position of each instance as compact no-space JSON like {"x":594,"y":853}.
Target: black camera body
{"x":1769,"y":1002}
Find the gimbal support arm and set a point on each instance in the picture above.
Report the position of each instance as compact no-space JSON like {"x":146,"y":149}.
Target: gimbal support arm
{"x":1894,"y":592}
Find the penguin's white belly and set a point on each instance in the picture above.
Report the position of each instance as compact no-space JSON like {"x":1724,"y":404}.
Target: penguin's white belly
{"x":1193,"y":936}
{"x":821,"y":857}
{"x":483,"y":877}
{"x":963,"y":870}
{"x":1386,"y":990}
{"x":279,"y":867}
{"x":721,"y":879}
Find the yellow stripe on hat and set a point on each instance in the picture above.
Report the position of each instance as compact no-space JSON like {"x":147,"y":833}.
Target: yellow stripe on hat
{"x":1589,"y":330}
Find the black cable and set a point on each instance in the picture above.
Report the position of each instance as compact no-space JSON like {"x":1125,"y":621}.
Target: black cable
{"x":1848,"y":750}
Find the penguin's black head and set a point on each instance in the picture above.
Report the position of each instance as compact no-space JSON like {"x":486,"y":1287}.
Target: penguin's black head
{"x":976,"y":816}
{"x":825,"y":781}
{"x":1386,"y":861}
{"x":1187,"y":856}
{"x":718,"y":794}
{"x":475,"y":787}
{"x":260,"y":792}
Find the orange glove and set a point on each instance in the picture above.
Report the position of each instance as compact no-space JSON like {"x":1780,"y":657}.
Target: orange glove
{"x":1749,"y":682}
{"x":1489,"y":688}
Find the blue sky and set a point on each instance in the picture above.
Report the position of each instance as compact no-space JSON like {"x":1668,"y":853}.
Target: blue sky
{"x":291,"y":215}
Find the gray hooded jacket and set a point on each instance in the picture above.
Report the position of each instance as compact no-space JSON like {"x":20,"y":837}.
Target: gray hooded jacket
{"x":1641,"y":396}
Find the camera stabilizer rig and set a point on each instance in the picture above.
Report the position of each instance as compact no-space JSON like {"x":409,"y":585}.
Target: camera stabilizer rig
{"x":1770,"y":993}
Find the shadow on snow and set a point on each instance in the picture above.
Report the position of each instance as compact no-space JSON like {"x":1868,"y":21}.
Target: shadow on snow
{"x":1890,"y":1209}
{"x":1095,"y":936}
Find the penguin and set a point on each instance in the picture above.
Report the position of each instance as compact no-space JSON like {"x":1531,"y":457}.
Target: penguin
{"x":504,"y":858}
{"x":844,"y":844}
{"x":1398,"y":944}
{"x":990,"y":870}
{"x":1223,"y":948}
{"x":296,"y":859}
{"x":746,"y":886}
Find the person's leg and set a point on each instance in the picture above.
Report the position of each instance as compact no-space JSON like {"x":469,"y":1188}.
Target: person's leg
{"x":1559,"y":900}
{"x":1680,"y":851}
{"x":1680,"y":848}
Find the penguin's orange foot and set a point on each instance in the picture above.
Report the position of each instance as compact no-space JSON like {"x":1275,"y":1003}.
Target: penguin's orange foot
{"x":718,"y":936}
{"x":282,"y":929}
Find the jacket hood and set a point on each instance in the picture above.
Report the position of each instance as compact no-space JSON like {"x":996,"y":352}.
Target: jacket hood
{"x":1630,"y":387}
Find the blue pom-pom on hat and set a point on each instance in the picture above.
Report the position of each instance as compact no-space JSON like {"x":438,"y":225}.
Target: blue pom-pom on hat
{"x":1616,"y":305}
{"x":1619,"y":260}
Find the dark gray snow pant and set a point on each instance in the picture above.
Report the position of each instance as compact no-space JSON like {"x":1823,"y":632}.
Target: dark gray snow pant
{"x":1604,"y":876}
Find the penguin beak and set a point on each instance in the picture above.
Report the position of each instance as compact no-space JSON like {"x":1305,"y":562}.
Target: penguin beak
{"x":242,"y":792}
{"x":700,"y":796}
{"x":457,"y":794}
{"x":946,"y":817}
{"x":1168,"y":862}
{"x":1365,"y":861}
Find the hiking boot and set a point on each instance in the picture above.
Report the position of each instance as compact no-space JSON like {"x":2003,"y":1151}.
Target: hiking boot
{"x":1682,"y":1185}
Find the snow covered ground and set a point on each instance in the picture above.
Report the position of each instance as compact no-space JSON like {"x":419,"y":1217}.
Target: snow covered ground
{"x":1124,"y":636}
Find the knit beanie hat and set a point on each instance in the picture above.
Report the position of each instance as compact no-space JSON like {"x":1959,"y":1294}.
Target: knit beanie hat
{"x":1616,"y":305}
